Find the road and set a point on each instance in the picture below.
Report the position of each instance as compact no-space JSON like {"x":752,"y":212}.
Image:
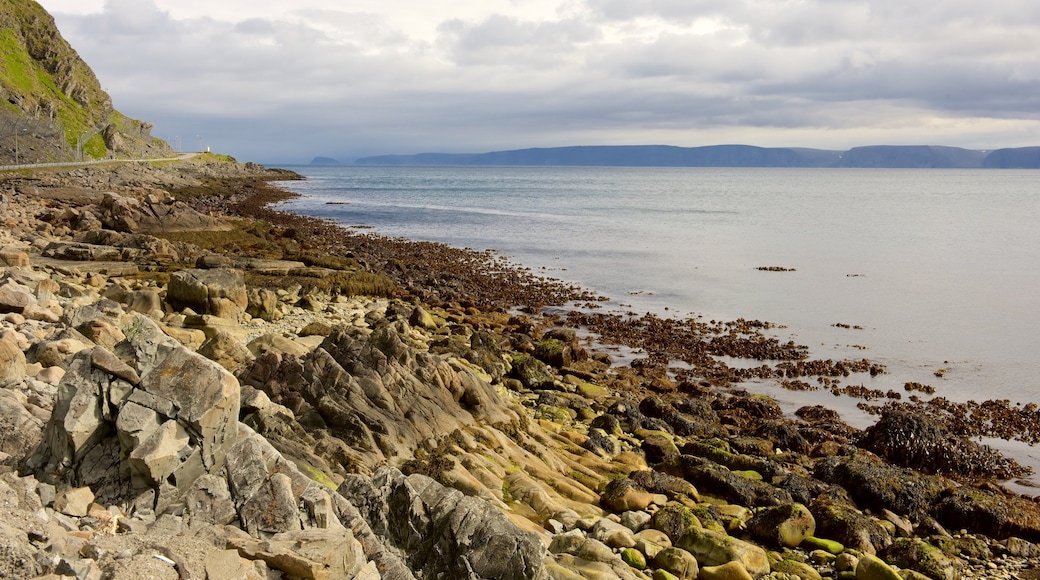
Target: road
{"x":179,"y":157}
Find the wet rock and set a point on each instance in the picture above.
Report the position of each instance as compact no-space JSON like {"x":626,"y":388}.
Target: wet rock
{"x":879,"y":486}
{"x":657,"y":482}
{"x":918,"y":441}
{"x":992,"y":513}
{"x":785,"y":525}
{"x":673,"y":520}
{"x":658,"y":448}
{"x":849,"y":526}
{"x":715,"y":479}
{"x":532,"y":373}
{"x":915,"y":554}
{"x":715,"y":548}
{"x":601,"y":444}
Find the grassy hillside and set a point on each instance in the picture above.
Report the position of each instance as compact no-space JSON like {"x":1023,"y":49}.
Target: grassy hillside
{"x":52,"y":107}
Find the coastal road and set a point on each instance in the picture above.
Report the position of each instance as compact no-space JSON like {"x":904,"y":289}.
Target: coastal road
{"x":179,"y":157}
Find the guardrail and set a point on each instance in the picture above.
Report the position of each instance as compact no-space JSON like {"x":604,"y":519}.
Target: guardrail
{"x":93,"y":162}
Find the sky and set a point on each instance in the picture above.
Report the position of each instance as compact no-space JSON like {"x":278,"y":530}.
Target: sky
{"x":283,"y":81}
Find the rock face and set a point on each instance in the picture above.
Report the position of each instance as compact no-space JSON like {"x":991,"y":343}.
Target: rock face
{"x":378,"y":394}
{"x":180,"y":417}
{"x":443,"y":531}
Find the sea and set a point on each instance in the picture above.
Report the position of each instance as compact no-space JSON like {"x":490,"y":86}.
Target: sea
{"x":928,"y":271}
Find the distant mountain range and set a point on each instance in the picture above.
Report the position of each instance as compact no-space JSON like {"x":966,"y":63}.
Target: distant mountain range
{"x":881,"y":156}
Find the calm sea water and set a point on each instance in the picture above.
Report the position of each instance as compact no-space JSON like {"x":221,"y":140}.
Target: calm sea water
{"x":940,"y":268}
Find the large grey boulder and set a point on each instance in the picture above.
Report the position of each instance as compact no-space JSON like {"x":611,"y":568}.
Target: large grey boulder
{"x":443,"y":532}
{"x":153,"y":410}
{"x":220,"y":292}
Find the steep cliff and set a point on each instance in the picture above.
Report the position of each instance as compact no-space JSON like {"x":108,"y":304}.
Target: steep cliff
{"x":52,"y":107}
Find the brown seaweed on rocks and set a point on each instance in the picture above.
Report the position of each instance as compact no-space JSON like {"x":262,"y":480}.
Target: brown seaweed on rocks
{"x":919,"y":441}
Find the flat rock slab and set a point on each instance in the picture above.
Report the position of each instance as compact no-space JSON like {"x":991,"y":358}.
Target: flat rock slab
{"x":108,"y":268}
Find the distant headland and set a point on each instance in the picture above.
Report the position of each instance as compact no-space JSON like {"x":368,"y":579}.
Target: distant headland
{"x":880,"y":156}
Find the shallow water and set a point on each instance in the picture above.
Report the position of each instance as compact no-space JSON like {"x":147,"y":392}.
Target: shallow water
{"x":939,"y":268}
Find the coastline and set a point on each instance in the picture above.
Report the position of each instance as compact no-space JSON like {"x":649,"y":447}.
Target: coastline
{"x":616,"y":440}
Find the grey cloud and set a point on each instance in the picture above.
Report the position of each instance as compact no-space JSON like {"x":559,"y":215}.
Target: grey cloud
{"x":509,"y":41}
{"x":341,"y":83}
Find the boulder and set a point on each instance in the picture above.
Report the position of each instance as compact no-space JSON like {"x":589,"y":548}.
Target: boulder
{"x":623,"y":495}
{"x":679,"y":562}
{"x":226,"y":351}
{"x":993,"y":513}
{"x":277,"y":343}
{"x":146,"y":301}
{"x":710,"y":477}
{"x":443,"y":532}
{"x":532,"y":373}
{"x":871,"y":567}
{"x":21,"y":428}
{"x":918,"y":555}
{"x":655,"y":481}
{"x":673,"y":520}
{"x":845,"y":524}
{"x":727,"y":571}
{"x":219,"y":292}
{"x":715,"y":548}
{"x":14,"y":298}
{"x":74,"y":501}
{"x":12,"y":362}
{"x":612,"y":534}
{"x":785,"y":526}
{"x":14,"y":258}
{"x":308,"y":554}
{"x":263,"y":303}
{"x":272,"y":508}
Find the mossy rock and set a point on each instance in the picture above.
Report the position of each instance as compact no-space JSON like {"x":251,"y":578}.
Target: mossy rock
{"x":829,"y":546}
{"x":874,"y":568}
{"x":592,"y":391}
{"x":918,"y":555}
{"x":633,"y":558}
{"x":673,"y":520}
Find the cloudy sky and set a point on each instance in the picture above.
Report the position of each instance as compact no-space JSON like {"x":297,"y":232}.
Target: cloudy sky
{"x":286,"y":80}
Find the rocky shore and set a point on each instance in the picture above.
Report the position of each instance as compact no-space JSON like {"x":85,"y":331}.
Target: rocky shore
{"x":194,"y":385}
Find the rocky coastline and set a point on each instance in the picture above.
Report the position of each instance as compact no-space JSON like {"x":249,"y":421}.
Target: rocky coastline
{"x":195,"y":385}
